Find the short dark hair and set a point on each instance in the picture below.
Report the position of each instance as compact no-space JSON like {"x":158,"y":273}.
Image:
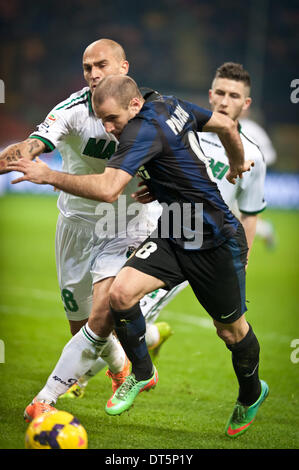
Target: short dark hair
{"x":121,"y":87}
{"x":233,"y":71}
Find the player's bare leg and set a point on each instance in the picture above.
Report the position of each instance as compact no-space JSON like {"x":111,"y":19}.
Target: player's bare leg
{"x":130,"y":285}
{"x":82,"y":351}
{"x":76,"y":325}
{"x":156,"y":333}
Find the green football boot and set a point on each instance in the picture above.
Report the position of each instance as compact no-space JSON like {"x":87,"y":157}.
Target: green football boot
{"x":243,"y":416}
{"x":125,"y":395}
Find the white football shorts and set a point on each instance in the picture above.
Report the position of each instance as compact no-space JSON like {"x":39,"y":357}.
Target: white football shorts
{"x":73,"y":247}
{"x":82,"y":260}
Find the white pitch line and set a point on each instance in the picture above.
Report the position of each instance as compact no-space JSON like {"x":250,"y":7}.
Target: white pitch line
{"x":190,"y":319}
{"x":33,"y":293}
{"x":18,"y":310}
{"x":206,"y":323}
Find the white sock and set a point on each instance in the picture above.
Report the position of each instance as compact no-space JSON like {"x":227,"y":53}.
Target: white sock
{"x":111,"y":351}
{"x":97,"y":367}
{"x":113,"y":354}
{"x":78,"y":356}
{"x":152,"y":335}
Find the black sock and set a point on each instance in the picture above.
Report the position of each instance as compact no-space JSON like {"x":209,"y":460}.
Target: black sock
{"x":130,"y":329}
{"x":245,"y":358}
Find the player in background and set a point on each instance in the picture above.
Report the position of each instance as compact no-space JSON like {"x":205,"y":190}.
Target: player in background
{"x":86,"y":260}
{"x":264,"y":228}
{"x":230,"y":95}
{"x":210,"y":249}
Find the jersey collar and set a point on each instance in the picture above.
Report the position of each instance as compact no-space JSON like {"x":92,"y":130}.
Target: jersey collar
{"x":89,"y":102}
{"x":149,"y":94}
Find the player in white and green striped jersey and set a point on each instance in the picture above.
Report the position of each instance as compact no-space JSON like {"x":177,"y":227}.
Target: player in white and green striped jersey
{"x":87,"y":257}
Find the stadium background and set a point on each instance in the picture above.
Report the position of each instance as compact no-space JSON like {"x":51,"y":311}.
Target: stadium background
{"x":175,"y":47}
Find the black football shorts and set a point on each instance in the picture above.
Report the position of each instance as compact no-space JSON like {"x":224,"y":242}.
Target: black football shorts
{"x":217,"y":276}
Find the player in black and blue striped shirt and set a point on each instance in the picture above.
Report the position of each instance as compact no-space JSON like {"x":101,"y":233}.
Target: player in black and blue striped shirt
{"x":199,"y":241}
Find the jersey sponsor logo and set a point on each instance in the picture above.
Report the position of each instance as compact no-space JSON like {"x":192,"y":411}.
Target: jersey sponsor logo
{"x":218,"y":168}
{"x":143,"y":173}
{"x":44,"y":126}
{"x":68,"y":383}
{"x":178,"y":119}
{"x":99,"y":149}
{"x":211,"y":143}
{"x":130,"y":252}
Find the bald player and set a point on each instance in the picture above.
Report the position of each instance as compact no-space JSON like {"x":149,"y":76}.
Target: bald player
{"x":87,"y":261}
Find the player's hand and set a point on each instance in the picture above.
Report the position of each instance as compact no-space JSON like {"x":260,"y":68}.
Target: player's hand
{"x":143,"y":195}
{"x":233,"y":174}
{"x":35,"y":171}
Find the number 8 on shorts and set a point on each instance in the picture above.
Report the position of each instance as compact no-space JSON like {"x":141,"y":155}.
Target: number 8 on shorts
{"x":146,"y":250}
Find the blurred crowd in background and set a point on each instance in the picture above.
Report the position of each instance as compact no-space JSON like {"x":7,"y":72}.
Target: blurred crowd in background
{"x":173,"y":46}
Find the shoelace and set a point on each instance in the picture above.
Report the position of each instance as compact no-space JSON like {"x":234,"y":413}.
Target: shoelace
{"x":126,"y":387}
{"x":239,"y":413}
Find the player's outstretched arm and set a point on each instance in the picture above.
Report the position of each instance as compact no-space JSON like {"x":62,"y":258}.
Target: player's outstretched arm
{"x":104,"y":187}
{"x":29,"y":149}
{"x":227,"y":131}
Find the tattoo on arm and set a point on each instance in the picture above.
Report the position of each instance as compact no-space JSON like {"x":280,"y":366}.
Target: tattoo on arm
{"x":34,"y":145}
{"x":29,"y":149}
{"x":13,"y":155}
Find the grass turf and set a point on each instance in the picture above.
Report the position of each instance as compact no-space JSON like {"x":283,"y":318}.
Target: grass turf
{"x":197,"y":386}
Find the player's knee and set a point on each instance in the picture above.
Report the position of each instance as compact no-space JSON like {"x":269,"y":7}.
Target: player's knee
{"x":120,"y":296}
{"x":233,"y":332}
{"x":226,"y":335}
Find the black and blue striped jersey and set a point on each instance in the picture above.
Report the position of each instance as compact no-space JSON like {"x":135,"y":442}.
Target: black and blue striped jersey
{"x":160,"y":143}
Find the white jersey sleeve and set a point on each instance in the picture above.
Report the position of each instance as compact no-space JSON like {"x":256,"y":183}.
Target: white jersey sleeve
{"x":60,"y":122}
{"x":250,"y":196}
{"x":260,"y":136}
{"x":247,"y":195}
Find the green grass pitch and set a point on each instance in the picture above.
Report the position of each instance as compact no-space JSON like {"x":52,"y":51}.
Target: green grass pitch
{"x":197,"y":387}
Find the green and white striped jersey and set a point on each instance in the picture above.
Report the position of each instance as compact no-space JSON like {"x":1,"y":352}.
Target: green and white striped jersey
{"x":247,"y":195}
{"x":85,"y":148}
